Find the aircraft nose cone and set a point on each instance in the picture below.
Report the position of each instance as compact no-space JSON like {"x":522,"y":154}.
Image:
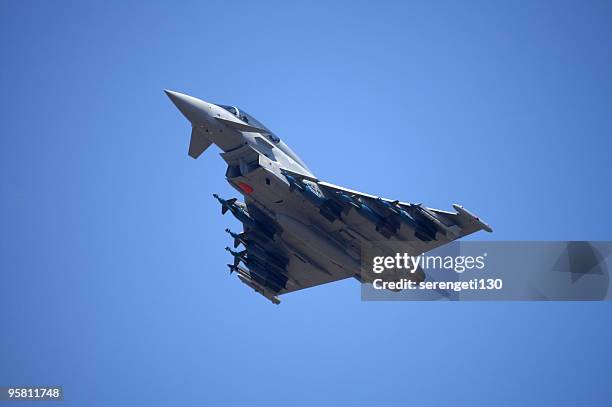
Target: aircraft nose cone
{"x":194,"y":109}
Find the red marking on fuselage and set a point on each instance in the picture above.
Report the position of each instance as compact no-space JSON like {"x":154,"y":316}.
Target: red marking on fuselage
{"x":245,"y":187}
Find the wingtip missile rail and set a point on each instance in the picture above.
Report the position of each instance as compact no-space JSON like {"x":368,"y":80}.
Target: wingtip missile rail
{"x":472,"y":218}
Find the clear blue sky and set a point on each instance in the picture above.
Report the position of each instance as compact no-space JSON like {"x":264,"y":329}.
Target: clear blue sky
{"x":113,"y":277}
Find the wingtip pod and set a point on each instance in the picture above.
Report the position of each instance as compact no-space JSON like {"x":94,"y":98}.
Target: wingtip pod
{"x":475,"y":219}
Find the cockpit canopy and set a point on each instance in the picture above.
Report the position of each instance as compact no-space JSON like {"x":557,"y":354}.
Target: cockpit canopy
{"x":247,"y":118}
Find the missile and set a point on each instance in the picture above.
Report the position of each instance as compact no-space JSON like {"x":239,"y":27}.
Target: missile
{"x":262,"y":269}
{"x":392,"y":206}
{"x":349,"y":200}
{"x":326,"y":206}
{"x":472,"y":218}
{"x":252,"y":237}
{"x":241,"y":271}
{"x":258,"y":259}
{"x":237,"y":210}
{"x":364,"y":210}
{"x":421,"y":231}
{"x":238,"y":256}
{"x":293,"y":182}
{"x":238,"y":238}
{"x":237,"y":268}
{"x":427,"y":214}
{"x":305,"y":189}
{"x":225,"y":204}
{"x":398,"y":210}
{"x":256,"y":251}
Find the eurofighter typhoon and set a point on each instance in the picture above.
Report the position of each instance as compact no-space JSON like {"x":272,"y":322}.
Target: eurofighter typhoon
{"x":299,"y":231}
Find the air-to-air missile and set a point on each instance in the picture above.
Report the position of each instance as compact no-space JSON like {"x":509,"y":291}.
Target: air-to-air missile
{"x":237,"y":268}
{"x":429,"y":217}
{"x":422,"y":230}
{"x":238,"y":256}
{"x":305,"y":189}
{"x":238,"y":238}
{"x":237,"y":210}
{"x":382,"y":226}
{"x":253,"y":260}
{"x":264,"y":230}
{"x":264,"y":276}
{"x":398,"y":210}
{"x":266,"y":257}
{"x":326,"y":206}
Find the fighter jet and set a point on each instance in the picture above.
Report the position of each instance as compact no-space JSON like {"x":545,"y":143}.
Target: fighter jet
{"x":300,"y":231}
